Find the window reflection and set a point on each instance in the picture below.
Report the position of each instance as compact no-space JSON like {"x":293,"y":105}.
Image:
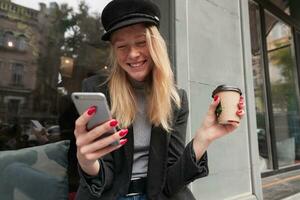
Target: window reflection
{"x":44,"y":56}
{"x":66,"y":66}
{"x":58,"y":43}
{"x":284,"y":89}
{"x":21,"y":43}
{"x":17,"y":73}
{"x":263,"y":133}
{"x":9,"y":39}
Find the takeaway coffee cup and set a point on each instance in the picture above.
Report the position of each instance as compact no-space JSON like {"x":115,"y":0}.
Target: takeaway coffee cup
{"x":229,"y":99}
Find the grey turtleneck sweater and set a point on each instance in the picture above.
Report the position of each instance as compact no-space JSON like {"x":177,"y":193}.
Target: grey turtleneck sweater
{"x":142,"y":133}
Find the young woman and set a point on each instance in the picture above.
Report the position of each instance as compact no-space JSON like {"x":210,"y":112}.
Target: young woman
{"x":151,"y":160}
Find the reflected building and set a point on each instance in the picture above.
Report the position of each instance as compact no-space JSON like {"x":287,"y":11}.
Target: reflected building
{"x":22,"y":41}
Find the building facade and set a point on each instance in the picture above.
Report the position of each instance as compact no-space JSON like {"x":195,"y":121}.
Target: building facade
{"x":23,"y":43}
{"x":253,"y":45}
{"x":18,"y":45}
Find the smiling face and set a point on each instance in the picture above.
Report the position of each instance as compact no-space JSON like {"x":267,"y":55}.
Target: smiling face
{"x":129,"y":44}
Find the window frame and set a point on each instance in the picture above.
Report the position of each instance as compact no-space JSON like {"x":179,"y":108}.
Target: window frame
{"x":21,"y":42}
{"x":9,"y":36}
{"x":265,"y":5}
{"x":17,"y":70}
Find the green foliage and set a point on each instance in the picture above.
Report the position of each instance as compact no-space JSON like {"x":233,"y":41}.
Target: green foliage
{"x":67,"y":33}
{"x":283,"y":90}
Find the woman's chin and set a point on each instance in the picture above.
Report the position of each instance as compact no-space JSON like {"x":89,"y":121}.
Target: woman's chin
{"x":138,"y":76}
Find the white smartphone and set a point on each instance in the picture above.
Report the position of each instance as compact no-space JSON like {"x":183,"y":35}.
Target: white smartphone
{"x":84,"y":100}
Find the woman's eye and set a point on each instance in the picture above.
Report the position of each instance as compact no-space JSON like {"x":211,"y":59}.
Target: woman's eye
{"x":141,"y":43}
{"x":121,"y":46}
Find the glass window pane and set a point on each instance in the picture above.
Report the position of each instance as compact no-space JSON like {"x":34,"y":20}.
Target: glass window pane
{"x":9,"y":39}
{"x":21,"y":43}
{"x":263,"y":133}
{"x":17,"y":74}
{"x":46,"y":50}
{"x":284,"y":91}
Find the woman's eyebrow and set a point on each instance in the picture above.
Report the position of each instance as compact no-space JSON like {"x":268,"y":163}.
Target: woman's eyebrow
{"x":141,"y":35}
{"x":117,"y":41}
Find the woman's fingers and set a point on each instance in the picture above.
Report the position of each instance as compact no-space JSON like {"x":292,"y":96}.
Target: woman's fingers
{"x":101,"y":152}
{"x":104,"y":142}
{"x":80,"y":124}
{"x":90,"y":145}
{"x":210,"y":117}
{"x":232,"y":125}
{"x":241,"y":106}
{"x":96,"y":132}
{"x":213,"y":106}
{"x":241,"y":103}
{"x":90,"y":148}
{"x":240,"y":113}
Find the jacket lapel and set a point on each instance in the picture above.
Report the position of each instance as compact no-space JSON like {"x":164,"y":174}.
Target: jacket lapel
{"x":157,"y":164}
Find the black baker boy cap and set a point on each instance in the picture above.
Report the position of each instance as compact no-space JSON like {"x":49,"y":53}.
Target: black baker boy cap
{"x":120,"y":13}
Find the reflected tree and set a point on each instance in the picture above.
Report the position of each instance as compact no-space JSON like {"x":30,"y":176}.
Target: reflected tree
{"x":68,"y":34}
{"x":284,"y":90}
{"x":83,"y":44}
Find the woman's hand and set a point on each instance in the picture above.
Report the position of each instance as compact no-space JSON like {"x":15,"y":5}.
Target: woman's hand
{"x":89,"y":147}
{"x":211,"y":130}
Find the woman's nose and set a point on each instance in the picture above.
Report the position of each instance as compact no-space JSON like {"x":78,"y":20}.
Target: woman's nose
{"x":134,"y":52}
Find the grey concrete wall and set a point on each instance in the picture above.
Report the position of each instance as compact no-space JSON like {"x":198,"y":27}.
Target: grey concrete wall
{"x":212,"y":48}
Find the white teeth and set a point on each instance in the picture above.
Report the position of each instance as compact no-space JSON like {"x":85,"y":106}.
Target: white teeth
{"x":136,"y":64}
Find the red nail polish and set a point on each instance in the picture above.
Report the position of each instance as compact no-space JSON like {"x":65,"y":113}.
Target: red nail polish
{"x":123,"y":132}
{"x":113,"y":123}
{"x":216,"y":98}
{"x":123,"y":141}
{"x":239,"y":112}
{"x":91,"y":110}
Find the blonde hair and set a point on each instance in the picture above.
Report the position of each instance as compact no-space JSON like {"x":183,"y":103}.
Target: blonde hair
{"x":161,"y":87}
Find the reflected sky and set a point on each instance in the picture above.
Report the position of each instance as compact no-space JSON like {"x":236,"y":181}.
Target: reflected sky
{"x":95,"y":5}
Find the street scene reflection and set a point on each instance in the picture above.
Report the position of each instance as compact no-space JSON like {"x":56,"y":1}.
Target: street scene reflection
{"x":44,"y":55}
